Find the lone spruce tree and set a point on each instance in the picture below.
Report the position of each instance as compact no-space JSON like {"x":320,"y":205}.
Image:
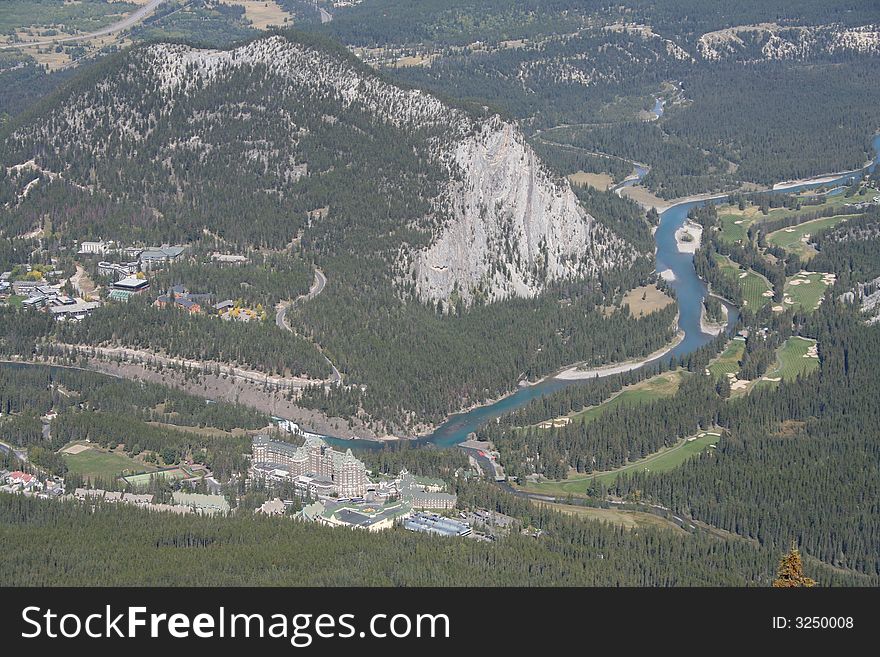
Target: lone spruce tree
{"x":791,"y":571}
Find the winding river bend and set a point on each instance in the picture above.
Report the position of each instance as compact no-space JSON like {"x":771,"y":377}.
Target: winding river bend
{"x":690,"y":292}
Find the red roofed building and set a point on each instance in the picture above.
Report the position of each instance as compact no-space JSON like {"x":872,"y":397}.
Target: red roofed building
{"x":19,"y":477}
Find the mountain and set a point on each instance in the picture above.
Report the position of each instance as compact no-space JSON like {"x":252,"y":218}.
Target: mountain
{"x":457,"y":263}
{"x":768,"y":41}
{"x":272,"y":130}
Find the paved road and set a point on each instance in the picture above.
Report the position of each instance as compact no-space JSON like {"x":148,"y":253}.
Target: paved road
{"x":281,"y":315}
{"x":21,"y":455}
{"x":133,"y":18}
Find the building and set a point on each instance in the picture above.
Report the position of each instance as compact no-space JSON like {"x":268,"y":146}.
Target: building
{"x":434,"y":524}
{"x":208,"y":504}
{"x":367,"y":516}
{"x":35,"y":301}
{"x":159,"y":256}
{"x":26,"y":288}
{"x":23,"y":478}
{"x":180,"y":297}
{"x":322,"y":466}
{"x":125,"y":288}
{"x":93,"y":248}
{"x":76,"y":310}
{"x":272,"y":507}
{"x":117,"y":270}
{"x":228,"y":259}
{"x":423,"y":493}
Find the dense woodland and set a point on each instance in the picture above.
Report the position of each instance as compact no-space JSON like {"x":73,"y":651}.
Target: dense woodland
{"x":798,"y":458}
{"x":157,"y":549}
{"x":259,"y":345}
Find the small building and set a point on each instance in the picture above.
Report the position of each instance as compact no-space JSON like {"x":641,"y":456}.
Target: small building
{"x":423,"y":493}
{"x":35,"y":301}
{"x":26,"y":288}
{"x":117,"y":270}
{"x":184,"y":302}
{"x":229,"y":259}
{"x":93,"y":248}
{"x":125,"y":288}
{"x":272,"y":507}
{"x":223,"y":306}
{"x":160,"y":256}
{"x":79,"y":309}
{"x":180,"y":297}
{"x":208,"y":504}
{"x":21,"y":478}
{"x":312,"y":512}
{"x":373,"y":518}
{"x":434,"y":524}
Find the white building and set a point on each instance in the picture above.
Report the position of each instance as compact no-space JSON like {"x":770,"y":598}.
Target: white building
{"x":93,"y":248}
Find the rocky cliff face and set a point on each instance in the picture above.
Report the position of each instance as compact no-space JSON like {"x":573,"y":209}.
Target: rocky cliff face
{"x":513,"y":228}
{"x":283,"y":112}
{"x":770,"y":41}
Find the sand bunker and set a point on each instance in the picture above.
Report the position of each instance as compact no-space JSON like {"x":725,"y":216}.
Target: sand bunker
{"x":777,"y":309}
{"x":767,"y":293}
{"x":744,"y":274}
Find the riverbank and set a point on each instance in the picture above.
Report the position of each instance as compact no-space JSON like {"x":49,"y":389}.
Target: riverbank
{"x":647,"y":199}
{"x":574,"y":373}
{"x":561,"y":375}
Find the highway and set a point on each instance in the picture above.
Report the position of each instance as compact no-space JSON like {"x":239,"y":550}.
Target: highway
{"x":281,"y":315}
{"x":133,"y":18}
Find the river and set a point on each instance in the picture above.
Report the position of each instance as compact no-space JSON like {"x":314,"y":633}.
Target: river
{"x":690,"y":291}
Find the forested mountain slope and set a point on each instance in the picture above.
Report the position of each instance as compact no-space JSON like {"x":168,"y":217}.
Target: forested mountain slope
{"x":456,"y":262}
{"x":279,"y":127}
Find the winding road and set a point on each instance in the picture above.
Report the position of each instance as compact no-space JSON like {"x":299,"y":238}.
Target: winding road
{"x":133,"y":18}
{"x":281,"y":316}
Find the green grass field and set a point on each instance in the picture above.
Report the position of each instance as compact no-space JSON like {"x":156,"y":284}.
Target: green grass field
{"x":141,"y":480}
{"x":728,"y":361}
{"x":735,"y":223}
{"x":805,"y":291}
{"x":95,"y":462}
{"x":618,"y":517}
{"x":657,"y":387}
{"x":753,"y":285}
{"x":791,"y":239}
{"x":662,"y":461}
{"x":792,"y":361}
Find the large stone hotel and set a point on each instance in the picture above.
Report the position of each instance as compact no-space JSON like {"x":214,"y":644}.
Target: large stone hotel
{"x":314,"y":466}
